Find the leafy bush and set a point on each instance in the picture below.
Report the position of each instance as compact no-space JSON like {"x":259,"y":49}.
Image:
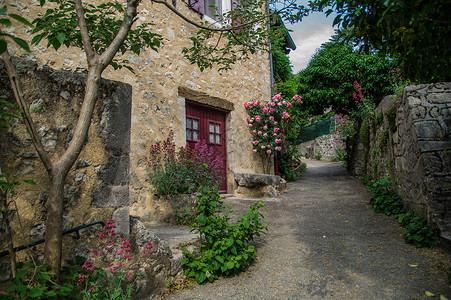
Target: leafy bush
{"x":418,"y":231}
{"x":225,"y":247}
{"x":290,"y":165}
{"x":183,"y":171}
{"x":385,"y":200}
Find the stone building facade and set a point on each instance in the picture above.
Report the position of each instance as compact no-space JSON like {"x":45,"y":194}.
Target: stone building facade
{"x":162,"y":83}
{"x":133,"y":112}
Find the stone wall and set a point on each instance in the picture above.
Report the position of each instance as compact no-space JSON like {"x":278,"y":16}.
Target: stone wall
{"x":409,"y":138}
{"x":325,"y":145}
{"x":97,"y":186}
{"x":158,"y":106}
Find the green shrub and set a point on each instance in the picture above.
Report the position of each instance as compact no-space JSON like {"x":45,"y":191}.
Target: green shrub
{"x":225,"y":247}
{"x":183,"y":171}
{"x":385,"y":200}
{"x":420,"y":233}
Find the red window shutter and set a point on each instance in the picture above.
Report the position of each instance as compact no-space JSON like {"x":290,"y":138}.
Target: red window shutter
{"x":198,"y":5}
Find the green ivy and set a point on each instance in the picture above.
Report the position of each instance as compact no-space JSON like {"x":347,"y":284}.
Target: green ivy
{"x":225,"y":246}
{"x":385,"y":200}
{"x":418,"y":231}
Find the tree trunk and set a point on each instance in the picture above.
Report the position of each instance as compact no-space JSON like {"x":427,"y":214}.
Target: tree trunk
{"x":7,"y":228}
{"x":54,"y":224}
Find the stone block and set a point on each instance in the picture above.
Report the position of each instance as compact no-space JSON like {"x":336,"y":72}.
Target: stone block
{"x":110,"y":196}
{"x":413,"y":101}
{"x":418,"y":112}
{"x":428,"y":130}
{"x":255,"y":179}
{"x":115,"y":171}
{"x":432,"y":163}
{"x":439,"y":98}
{"x":427,"y":146}
{"x":122,"y":218}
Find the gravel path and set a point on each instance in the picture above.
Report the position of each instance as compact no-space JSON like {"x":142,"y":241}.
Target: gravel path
{"x":326,"y":242}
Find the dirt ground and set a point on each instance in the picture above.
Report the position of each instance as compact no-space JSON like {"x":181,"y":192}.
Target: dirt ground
{"x":325,"y":242}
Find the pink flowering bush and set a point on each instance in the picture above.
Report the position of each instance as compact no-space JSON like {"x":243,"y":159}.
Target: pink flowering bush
{"x":267,"y":123}
{"x":182,"y":171}
{"x":111,"y":271}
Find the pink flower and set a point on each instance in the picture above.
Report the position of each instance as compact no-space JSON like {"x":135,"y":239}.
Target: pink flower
{"x":271,"y":118}
{"x":265,"y":109}
{"x":250,"y":125}
{"x":259,"y":133}
{"x":289,"y":104}
{"x":271,"y":110}
{"x":277,"y":97}
{"x":278,"y":141}
{"x":278,"y":148}
{"x":257,"y":118}
{"x":263,"y":147}
{"x":248,"y":120}
{"x":285,"y":115}
{"x":269,"y":146}
{"x":275,"y":123}
{"x":297,"y":98}
{"x":273,"y":104}
{"x":95,"y":252}
{"x":254,"y":131}
{"x":274,"y":134}
{"x":255,"y":103}
{"x":269,"y":151}
{"x":101,"y":235}
{"x":276,"y":129}
{"x":255,"y":143}
{"x":279,"y":104}
{"x":265,"y":127}
{"x":265,"y":135}
{"x":255,"y":151}
{"x":284,"y":102}
{"x":247,"y":105}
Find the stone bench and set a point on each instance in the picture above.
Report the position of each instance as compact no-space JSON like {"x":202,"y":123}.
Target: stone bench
{"x":256,"y":185}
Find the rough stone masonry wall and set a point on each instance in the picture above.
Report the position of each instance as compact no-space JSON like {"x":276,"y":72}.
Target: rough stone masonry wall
{"x":324,"y":145}
{"x":97,"y":186}
{"x":410,"y":139}
{"x":157,"y":106}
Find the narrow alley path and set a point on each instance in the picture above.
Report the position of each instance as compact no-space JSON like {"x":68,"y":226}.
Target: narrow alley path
{"x":326,"y":242}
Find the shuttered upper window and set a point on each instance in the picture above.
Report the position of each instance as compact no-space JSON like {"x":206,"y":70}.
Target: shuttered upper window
{"x":212,"y":10}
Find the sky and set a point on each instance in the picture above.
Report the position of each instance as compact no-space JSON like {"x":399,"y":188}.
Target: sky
{"x":308,"y":36}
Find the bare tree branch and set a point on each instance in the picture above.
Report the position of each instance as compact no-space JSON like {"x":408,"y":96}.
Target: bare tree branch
{"x":130,"y":14}
{"x":211,"y":27}
{"x":20,"y":99}
{"x":90,"y":53}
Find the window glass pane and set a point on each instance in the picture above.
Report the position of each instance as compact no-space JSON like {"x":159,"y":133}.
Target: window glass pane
{"x":188,"y":122}
{"x":217,"y":128}
{"x":218,"y":139}
{"x":212,"y":138}
{"x":195,"y":135}
{"x":211,"y":127}
{"x":188,"y":134}
{"x":195,"y":124}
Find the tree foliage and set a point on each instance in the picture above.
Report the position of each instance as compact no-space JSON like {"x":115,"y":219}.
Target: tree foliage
{"x":328,"y":79}
{"x":415,"y":32}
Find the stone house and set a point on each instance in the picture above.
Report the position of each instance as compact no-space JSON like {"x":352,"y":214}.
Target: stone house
{"x":165,"y":94}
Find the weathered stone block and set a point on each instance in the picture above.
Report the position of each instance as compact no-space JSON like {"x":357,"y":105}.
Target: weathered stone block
{"x":254,"y":180}
{"x":428,"y":130}
{"x":110,"y":196}
{"x":439,"y":98}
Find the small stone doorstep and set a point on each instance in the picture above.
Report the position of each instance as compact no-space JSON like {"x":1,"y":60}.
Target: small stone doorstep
{"x":255,"y":185}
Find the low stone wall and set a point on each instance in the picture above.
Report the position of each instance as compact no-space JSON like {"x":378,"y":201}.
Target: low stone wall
{"x":97,"y":186}
{"x":409,"y":138}
{"x":324,"y":145}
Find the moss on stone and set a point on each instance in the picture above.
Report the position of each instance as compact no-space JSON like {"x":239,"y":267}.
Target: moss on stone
{"x":382,"y":141}
{"x":365,"y":133}
{"x":391,"y":117}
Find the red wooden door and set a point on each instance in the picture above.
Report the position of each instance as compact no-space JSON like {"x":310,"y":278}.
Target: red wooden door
{"x":207,"y":123}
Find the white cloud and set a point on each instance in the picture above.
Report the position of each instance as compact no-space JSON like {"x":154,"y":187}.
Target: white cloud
{"x":308,"y":36}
